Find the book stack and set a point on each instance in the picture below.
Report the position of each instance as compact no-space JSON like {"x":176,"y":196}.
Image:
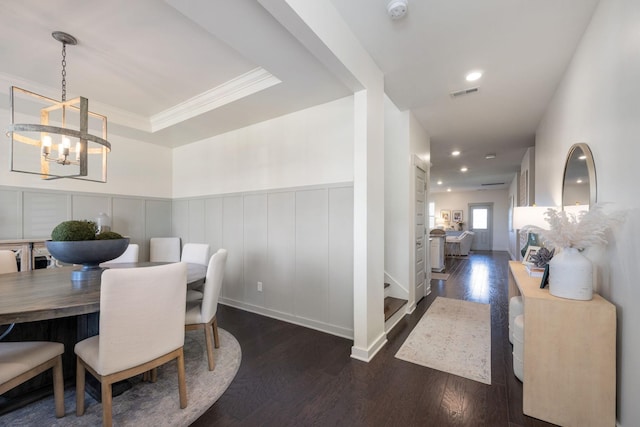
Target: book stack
{"x":534,"y":271}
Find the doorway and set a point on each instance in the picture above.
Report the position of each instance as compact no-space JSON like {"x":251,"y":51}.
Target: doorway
{"x":481,"y":223}
{"x":420,"y":233}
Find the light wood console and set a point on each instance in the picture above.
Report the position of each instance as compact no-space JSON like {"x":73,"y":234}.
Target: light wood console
{"x":569,"y":355}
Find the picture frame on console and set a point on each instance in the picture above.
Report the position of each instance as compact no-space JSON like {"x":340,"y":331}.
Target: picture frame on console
{"x":545,"y":277}
{"x":531,"y":251}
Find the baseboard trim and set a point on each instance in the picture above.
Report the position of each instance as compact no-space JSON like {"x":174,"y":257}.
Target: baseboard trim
{"x":285,"y":317}
{"x":366,"y":355}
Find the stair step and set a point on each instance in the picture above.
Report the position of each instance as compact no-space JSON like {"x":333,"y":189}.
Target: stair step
{"x":392,"y":305}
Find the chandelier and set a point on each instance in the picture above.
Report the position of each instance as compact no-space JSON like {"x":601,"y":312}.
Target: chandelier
{"x":63,"y":143}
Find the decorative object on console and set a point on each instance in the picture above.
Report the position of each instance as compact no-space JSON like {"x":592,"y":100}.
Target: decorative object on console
{"x":542,"y":257}
{"x":76,"y":242}
{"x":524,"y":216}
{"x":570,"y":272}
{"x":31,"y":143}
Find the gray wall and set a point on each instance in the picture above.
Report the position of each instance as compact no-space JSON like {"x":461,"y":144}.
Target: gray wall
{"x":298,"y":242}
{"x":32,"y":214}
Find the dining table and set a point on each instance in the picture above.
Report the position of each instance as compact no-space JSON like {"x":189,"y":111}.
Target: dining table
{"x":49,"y":293}
{"x":45,"y":304}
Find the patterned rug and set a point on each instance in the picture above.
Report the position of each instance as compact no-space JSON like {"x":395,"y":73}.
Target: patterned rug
{"x":453,"y":336}
{"x":149,"y":404}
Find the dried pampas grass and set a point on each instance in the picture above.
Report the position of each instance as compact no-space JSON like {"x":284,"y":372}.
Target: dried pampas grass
{"x":567,"y":230}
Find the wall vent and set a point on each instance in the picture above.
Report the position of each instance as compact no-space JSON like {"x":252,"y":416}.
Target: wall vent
{"x":464,"y":92}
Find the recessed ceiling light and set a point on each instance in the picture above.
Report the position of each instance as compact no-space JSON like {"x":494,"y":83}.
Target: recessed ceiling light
{"x":455,"y":153}
{"x":449,"y":190}
{"x":579,"y":181}
{"x":439,"y":182}
{"x":490,"y":156}
{"x":463,"y":169}
{"x":473,"y":76}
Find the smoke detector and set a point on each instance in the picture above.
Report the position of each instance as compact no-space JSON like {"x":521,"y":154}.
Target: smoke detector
{"x":397,"y":8}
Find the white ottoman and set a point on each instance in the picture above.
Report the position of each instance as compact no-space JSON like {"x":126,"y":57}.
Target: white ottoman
{"x":516,"y":308}
{"x":518,"y":347}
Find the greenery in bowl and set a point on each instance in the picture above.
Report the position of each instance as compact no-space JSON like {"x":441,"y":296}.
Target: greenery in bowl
{"x":73,"y":231}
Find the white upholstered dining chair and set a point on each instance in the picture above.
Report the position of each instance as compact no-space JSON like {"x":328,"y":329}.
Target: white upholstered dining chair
{"x":195,"y":253}
{"x":141,"y":327}
{"x":8,"y":263}
{"x":164,"y":249}
{"x":21,"y":361}
{"x":201,"y":314}
{"x":130,"y":255}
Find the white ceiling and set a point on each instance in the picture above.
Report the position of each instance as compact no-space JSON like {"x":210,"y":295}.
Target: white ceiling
{"x":139,"y":59}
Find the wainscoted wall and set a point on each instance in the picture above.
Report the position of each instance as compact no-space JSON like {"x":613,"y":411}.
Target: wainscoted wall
{"x":31,"y":214}
{"x":297,"y":242}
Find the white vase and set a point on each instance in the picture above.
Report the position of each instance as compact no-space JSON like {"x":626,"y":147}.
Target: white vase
{"x":571,"y":275}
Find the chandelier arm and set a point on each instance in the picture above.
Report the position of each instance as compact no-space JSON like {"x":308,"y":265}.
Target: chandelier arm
{"x":24,"y":127}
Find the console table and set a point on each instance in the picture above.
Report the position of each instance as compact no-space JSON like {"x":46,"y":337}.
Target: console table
{"x":569,"y":355}
{"x":26,"y":248}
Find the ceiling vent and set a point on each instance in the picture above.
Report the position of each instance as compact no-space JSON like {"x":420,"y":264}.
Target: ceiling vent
{"x":493,"y":183}
{"x":464,"y":92}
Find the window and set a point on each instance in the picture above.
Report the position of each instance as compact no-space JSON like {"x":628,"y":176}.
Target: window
{"x":480,"y":216}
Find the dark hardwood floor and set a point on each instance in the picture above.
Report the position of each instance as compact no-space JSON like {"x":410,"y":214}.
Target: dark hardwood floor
{"x":294,"y":376}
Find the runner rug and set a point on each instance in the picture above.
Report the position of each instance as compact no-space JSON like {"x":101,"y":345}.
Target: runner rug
{"x":149,"y":404}
{"x":453,"y":336}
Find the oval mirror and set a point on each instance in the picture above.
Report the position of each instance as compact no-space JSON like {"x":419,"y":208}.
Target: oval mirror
{"x":579,"y":182}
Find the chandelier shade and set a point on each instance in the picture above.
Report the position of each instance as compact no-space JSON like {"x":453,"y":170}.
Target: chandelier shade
{"x":57,"y":139}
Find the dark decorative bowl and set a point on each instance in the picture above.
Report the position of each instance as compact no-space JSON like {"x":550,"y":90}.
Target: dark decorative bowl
{"x":89,"y":253}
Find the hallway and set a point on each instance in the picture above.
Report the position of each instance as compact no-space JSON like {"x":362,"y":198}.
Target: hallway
{"x":295,"y":376}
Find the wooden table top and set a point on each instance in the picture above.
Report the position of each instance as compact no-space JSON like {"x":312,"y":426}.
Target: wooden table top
{"x":49,"y":293}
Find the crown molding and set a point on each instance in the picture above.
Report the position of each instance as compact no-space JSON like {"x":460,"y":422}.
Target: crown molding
{"x":244,"y":85}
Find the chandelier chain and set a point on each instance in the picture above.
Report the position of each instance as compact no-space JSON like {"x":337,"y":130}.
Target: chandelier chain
{"x":64,"y":72}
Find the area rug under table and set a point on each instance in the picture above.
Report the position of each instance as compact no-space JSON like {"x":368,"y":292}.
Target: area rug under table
{"x":453,"y":336}
{"x":149,"y":404}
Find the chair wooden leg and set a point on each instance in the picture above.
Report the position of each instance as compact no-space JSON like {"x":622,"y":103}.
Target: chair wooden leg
{"x":150,"y":376}
{"x":182,"y":385}
{"x":107,"y":420}
{"x":208,"y":338}
{"x":58,"y":387}
{"x":216,"y":339}
{"x":80,"y":374}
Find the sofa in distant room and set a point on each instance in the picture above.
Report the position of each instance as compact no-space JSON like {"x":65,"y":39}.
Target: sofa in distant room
{"x":459,"y":245}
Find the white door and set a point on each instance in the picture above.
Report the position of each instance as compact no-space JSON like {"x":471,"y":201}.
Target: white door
{"x":481,"y":223}
{"x":420,"y":234}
